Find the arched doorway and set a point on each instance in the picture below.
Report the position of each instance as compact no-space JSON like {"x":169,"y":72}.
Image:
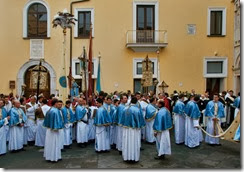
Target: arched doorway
{"x":31,"y":63}
{"x":31,"y":76}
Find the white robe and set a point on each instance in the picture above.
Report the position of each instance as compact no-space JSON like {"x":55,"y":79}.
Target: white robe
{"x":102,"y":141}
{"x":30,"y":123}
{"x":61,"y":138}
{"x":82,"y":134}
{"x":210,"y":130}
{"x":149,"y":131}
{"x":40,"y":133}
{"x":113,"y":132}
{"x":143,"y":130}
{"x":3,"y":138}
{"x":52,"y":149}
{"x":179,"y":123}
{"x":91,"y":127}
{"x":16,"y":138}
{"x":68,"y":134}
{"x":131,"y":143}
{"x":119,"y":138}
{"x":163,"y":143}
{"x":25,"y":136}
{"x":193,"y":136}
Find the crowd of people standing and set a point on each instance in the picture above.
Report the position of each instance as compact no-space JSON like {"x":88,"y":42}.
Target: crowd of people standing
{"x":117,"y":121}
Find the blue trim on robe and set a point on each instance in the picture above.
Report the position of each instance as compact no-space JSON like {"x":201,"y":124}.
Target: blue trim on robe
{"x":150,"y":111}
{"x":102,"y":118}
{"x":179,"y":108}
{"x":80,"y":112}
{"x":53,"y":119}
{"x":112,"y":109}
{"x":65,"y":115}
{"x":2,"y":122}
{"x":118,"y":115}
{"x":162,"y":121}
{"x":192,"y":110}
{"x":210,"y":109}
{"x":4,"y":113}
{"x":132,"y":117}
{"x":14,"y":116}
{"x":236,"y":103}
{"x":238,"y":134}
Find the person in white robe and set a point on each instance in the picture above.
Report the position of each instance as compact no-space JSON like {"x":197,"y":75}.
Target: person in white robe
{"x":151,"y":111}
{"x":82,"y":122}
{"x":69,"y":118}
{"x":3,"y":122}
{"x":61,"y":131}
{"x":91,"y":127}
{"x":117,"y":119}
{"x":8,"y":105}
{"x":40,"y":129}
{"x":214,"y":112}
{"x":132,"y":121}
{"x":16,"y":129}
{"x":30,"y":123}
{"x":179,"y":120}
{"x":53,"y":122}
{"x":193,"y":135}
{"x":161,"y":126}
{"x":102,"y":122}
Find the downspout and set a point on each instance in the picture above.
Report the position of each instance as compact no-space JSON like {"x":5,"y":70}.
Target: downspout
{"x":71,"y":45}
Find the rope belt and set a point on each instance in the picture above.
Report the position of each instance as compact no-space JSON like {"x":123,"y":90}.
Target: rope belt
{"x":233,"y":126}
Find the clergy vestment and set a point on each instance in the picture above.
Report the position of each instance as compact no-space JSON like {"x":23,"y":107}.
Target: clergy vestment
{"x":236,"y":104}
{"x":40,"y":129}
{"x":151,"y":112}
{"x":102,"y":122}
{"x":91,"y":127}
{"x":16,"y":132}
{"x":69,"y":119}
{"x":30,"y":123}
{"x":82,"y":120}
{"x":7,"y":107}
{"x":117,"y":119}
{"x":3,"y":137}
{"x":193,"y":136}
{"x":53,"y":122}
{"x":110,"y":109}
{"x":161,"y":125}
{"x":142,"y":104}
{"x":213,"y":110}
{"x":179,"y":122}
{"x":132,"y":122}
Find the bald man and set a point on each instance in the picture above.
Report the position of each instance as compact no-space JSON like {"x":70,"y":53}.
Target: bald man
{"x":16,"y":131}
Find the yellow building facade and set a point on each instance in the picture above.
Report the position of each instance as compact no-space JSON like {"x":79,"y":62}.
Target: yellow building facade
{"x":189,"y":42}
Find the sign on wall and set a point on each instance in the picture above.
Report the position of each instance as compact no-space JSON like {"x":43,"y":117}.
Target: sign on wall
{"x":36,"y":48}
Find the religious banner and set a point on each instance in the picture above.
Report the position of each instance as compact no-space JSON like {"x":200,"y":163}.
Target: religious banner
{"x":147,"y":72}
{"x":34,"y":78}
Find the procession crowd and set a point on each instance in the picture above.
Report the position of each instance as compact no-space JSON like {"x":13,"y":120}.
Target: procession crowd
{"x":118,"y":121}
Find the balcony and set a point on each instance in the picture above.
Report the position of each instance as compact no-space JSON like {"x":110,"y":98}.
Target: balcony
{"x":146,"y":40}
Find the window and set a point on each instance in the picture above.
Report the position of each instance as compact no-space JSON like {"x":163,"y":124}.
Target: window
{"x":216,"y":21}
{"x":84,"y":23}
{"x":85,"y":17}
{"x":215,"y":67}
{"x":37,"y":20}
{"x":76,"y":68}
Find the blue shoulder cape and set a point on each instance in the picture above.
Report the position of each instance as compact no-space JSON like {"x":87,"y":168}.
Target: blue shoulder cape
{"x":118,"y":115}
{"x":80,"y":112}
{"x":179,"y":108}
{"x":236,"y":103}
{"x":17,"y":116}
{"x":102,"y":118}
{"x":162,"y":121}
{"x":150,"y":112}
{"x":132,"y":117}
{"x":4,"y":113}
{"x":192,"y":110}
{"x":69,"y":116}
{"x":210,"y":110}
{"x":53,"y":119}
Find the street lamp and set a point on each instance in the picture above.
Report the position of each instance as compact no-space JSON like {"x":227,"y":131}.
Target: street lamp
{"x":65,"y":20}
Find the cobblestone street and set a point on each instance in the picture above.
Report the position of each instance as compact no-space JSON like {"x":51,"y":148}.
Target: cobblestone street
{"x":226,"y":156}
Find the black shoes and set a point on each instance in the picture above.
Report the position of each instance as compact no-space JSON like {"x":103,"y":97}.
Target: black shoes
{"x":159,"y":157}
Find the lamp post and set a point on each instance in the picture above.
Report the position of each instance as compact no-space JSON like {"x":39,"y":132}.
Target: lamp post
{"x":65,"y":20}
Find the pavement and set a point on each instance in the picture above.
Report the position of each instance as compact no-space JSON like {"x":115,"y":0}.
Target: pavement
{"x":226,"y":156}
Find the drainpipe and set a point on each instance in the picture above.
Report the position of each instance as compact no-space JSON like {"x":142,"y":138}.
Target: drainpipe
{"x":70,"y":67}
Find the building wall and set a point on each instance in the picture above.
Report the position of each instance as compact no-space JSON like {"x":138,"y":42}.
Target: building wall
{"x":181,"y":61}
